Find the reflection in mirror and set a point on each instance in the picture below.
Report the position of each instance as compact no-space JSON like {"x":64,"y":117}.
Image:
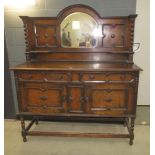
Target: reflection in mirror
{"x":79,"y":30}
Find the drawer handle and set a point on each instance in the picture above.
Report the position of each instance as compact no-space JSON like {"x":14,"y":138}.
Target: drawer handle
{"x":107,"y":109}
{"x":91,"y":77}
{"x":108,"y":100}
{"x":30,"y":76}
{"x":45,"y":79}
{"x":43,"y":98}
{"x":60,"y":77}
{"x":87,"y":99}
{"x":44,"y":106}
{"x":123,"y":77}
{"x":82,"y":99}
{"x":70,"y":98}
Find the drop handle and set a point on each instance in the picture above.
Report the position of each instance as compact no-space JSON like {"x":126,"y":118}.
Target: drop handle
{"x":43,"y":98}
{"x":44,"y":106}
{"x":91,"y":77}
{"x":70,"y":98}
{"x":60,"y":77}
{"x":108,"y":100}
{"x":87,"y":99}
{"x":105,"y":109}
{"x":82,"y":99}
{"x":45,"y":79}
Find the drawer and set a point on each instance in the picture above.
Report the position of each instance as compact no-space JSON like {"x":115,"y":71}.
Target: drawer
{"x":110,"y":112}
{"x":43,"y":76}
{"x":107,"y":77}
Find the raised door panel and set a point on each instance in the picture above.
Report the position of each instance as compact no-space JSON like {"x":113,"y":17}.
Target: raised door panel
{"x":115,"y":36}
{"x":110,"y":99}
{"x":76,"y":99}
{"x":43,"y":98}
{"x":45,"y":35}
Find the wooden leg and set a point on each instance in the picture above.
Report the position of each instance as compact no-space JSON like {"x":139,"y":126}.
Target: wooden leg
{"x":124,"y":122}
{"x":36,"y":120}
{"x":23,"y":129}
{"x":132,"y":123}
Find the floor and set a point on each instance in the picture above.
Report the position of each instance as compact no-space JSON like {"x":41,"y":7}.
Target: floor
{"x":41,"y":145}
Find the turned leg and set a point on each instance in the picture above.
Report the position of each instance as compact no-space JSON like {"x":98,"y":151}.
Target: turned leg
{"x":132,"y":123}
{"x":124,"y":123}
{"x":36,"y":120}
{"x":23,"y":129}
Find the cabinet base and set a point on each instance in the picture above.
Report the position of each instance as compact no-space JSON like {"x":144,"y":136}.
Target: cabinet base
{"x":129,"y":123}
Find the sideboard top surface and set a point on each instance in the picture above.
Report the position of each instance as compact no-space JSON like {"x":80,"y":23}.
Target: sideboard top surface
{"x":95,"y":66}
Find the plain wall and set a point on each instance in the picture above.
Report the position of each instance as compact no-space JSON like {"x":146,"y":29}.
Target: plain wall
{"x":142,"y":57}
{"x":47,"y":8}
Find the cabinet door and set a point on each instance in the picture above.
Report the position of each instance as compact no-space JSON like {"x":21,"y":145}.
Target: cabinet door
{"x":76,"y":98}
{"x":43,"y":98}
{"x":45,"y":35}
{"x":110,"y":99}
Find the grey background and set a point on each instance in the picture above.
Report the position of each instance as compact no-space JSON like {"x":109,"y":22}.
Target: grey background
{"x":47,"y":8}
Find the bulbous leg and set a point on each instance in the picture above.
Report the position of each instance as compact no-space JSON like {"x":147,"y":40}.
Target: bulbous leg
{"x":23,"y":129}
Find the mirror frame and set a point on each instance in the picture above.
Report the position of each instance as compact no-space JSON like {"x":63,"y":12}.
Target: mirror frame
{"x":73,"y":9}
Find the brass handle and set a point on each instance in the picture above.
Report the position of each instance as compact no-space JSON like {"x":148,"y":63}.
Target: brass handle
{"x":46,"y":45}
{"x":29,"y":76}
{"x":105,"y":109}
{"x":60,"y":77}
{"x":43,"y":89}
{"x":45,"y":79}
{"x":108,"y":99}
{"x":63,"y":98}
{"x":44,"y":106}
{"x":46,"y":35}
{"x":87,"y":99}
{"x":70,"y":98}
{"x":82,"y":99}
{"x":123,"y":77}
{"x":91,"y":77}
{"x":43,"y":98}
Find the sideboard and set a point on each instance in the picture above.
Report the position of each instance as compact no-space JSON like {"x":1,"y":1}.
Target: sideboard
{"x":78,"y":64}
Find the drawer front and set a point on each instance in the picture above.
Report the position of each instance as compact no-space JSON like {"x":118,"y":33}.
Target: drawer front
{"x":43,"y":98}
{"x":110,"y":99}
{"x":107,"y":77}
{"x":43,"y":76}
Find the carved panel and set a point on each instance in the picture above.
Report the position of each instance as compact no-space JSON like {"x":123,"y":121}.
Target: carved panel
{"x":76,"y":98}
{"x":45,"y":35}
{"x":47,"y":98}
{"x":110,"y":99}
{"x":113,"y":35}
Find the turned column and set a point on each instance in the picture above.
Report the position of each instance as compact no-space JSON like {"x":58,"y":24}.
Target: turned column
{"x":23,"y":129}
{"x":132,"y":123}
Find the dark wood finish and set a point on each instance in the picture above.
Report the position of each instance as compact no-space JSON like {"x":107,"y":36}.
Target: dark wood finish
{"x":100,"y":82}
{"x":74,"y":134}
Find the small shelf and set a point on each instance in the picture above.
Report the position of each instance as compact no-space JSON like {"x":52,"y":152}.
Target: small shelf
{"x":79,"y":51}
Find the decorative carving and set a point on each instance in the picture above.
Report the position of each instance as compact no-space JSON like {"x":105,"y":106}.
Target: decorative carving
{"x":26,"y":37}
